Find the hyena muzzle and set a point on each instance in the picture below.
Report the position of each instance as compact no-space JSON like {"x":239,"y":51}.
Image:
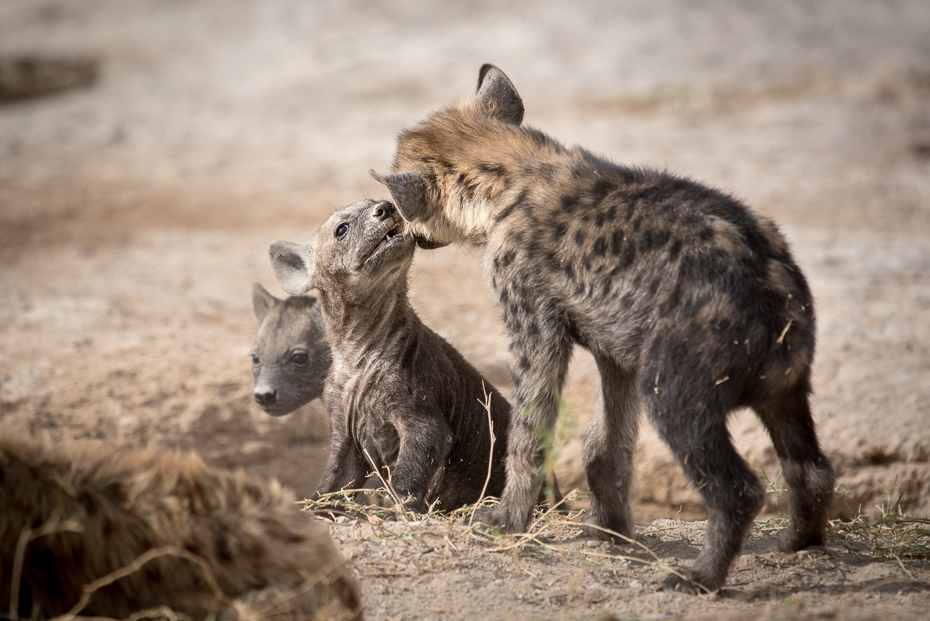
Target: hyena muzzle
{"x":690,"y":303}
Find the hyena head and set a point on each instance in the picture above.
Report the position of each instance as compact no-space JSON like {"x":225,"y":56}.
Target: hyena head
{"x":360,"y":253}
{"x":291,"y":355}
{"x":437,"y":181}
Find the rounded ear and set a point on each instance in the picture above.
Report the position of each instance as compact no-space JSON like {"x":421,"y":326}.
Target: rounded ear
{"x":292,"y":265}
{"x":409,"y":189}
{"x":497,"y":93}
{"x":262,"y":302}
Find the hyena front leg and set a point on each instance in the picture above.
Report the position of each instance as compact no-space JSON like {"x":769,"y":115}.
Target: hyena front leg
{"x":537,"y":370}
{"x":345,"y":469}
{"x":608,"y":452}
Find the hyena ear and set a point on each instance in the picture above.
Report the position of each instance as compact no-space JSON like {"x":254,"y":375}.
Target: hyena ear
{"x":409,"y":191}
{"x":292,"y":265}
{"x":497,"y":93}
{"x":262,"y":302}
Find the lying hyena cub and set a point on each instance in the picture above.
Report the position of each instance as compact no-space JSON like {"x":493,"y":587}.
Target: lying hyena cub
{"x":291,"y":355}
{"x":397,"y":390}
{"x":204,"y":542}
{"x":690,"y":303}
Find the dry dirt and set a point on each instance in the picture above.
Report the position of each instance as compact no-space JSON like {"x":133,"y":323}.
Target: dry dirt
{"x":135,"y":212}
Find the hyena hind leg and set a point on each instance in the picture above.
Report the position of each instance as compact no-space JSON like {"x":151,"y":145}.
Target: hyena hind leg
{"x":731,"y":492}
{"x":608,"y":453}
{"x":807,"y":471}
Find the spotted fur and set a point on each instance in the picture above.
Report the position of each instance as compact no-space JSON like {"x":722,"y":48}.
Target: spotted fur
{"x":689,"y":301}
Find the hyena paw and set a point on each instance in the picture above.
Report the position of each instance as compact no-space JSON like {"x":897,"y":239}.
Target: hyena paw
{"x":416,"y":505}
{"x":489,"y":517}
{"x":687,"y":583}
{"x":618,"y":536}
{"x":791,"y":539}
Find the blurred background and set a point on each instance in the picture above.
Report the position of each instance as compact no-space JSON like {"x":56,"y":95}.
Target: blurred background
{"x":150,"y":151}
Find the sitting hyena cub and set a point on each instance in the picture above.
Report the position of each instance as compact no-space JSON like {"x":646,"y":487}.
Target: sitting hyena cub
{"x":690,"y":303}
{"x":401,"y":399}
{"x":291,"y":355}
{"x":196,"y":539}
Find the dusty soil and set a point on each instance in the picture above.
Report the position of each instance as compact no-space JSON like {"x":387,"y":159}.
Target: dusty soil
{"x":135,"y":212}
{"x":437,"y":568}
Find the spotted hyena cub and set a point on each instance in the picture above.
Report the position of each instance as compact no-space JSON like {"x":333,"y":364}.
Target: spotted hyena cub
{"x":88,"y":530}
{"x":400,"y":398}
{"x":291,"y":355}
{"x":690,"y":303}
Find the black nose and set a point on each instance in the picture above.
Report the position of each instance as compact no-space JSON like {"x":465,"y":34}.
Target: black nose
{"x":382,"y":211}
{"x":266,"y":398}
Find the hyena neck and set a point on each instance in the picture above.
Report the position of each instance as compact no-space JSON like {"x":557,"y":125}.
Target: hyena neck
{"x":480,"y":165}
{"x":358,"y":326}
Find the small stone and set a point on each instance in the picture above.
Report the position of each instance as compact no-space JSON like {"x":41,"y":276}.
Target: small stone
{"x":592,"y":543}
{"x":635,"y":584}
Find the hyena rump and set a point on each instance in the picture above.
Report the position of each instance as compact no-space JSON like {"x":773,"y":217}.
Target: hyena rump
{"x":690,"y":303}
{"x":199,"y":540}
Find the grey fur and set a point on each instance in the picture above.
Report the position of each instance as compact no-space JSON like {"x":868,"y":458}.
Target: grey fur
{"x":690,"y":303}
{"x":291,"y":355}
{"x":396,"y":389}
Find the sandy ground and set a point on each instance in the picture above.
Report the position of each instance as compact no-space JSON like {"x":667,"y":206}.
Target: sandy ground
{"x":135,"y":213}
{"x":440,"y":569}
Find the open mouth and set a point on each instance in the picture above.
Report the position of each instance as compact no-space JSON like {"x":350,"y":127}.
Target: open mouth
{"x":391,"y":234}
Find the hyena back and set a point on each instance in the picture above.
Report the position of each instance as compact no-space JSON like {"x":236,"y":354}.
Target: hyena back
{"x":690,"y":303}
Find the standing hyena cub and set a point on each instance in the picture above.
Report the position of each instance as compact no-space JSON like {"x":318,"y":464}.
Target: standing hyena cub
{"x":400,"y":398}
{"x":690,"y":303}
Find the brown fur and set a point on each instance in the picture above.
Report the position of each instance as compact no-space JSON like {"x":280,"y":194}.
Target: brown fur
{"x":690,"y":303}
{"x":107,"y":508}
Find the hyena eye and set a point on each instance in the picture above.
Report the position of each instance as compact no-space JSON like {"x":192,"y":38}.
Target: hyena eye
{"x":299,"y":358}
{"x":341,"y":230}
{"x":255,"y":359}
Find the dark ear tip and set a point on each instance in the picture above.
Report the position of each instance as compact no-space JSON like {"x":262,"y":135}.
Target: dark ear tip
{"x":486,"y":68}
